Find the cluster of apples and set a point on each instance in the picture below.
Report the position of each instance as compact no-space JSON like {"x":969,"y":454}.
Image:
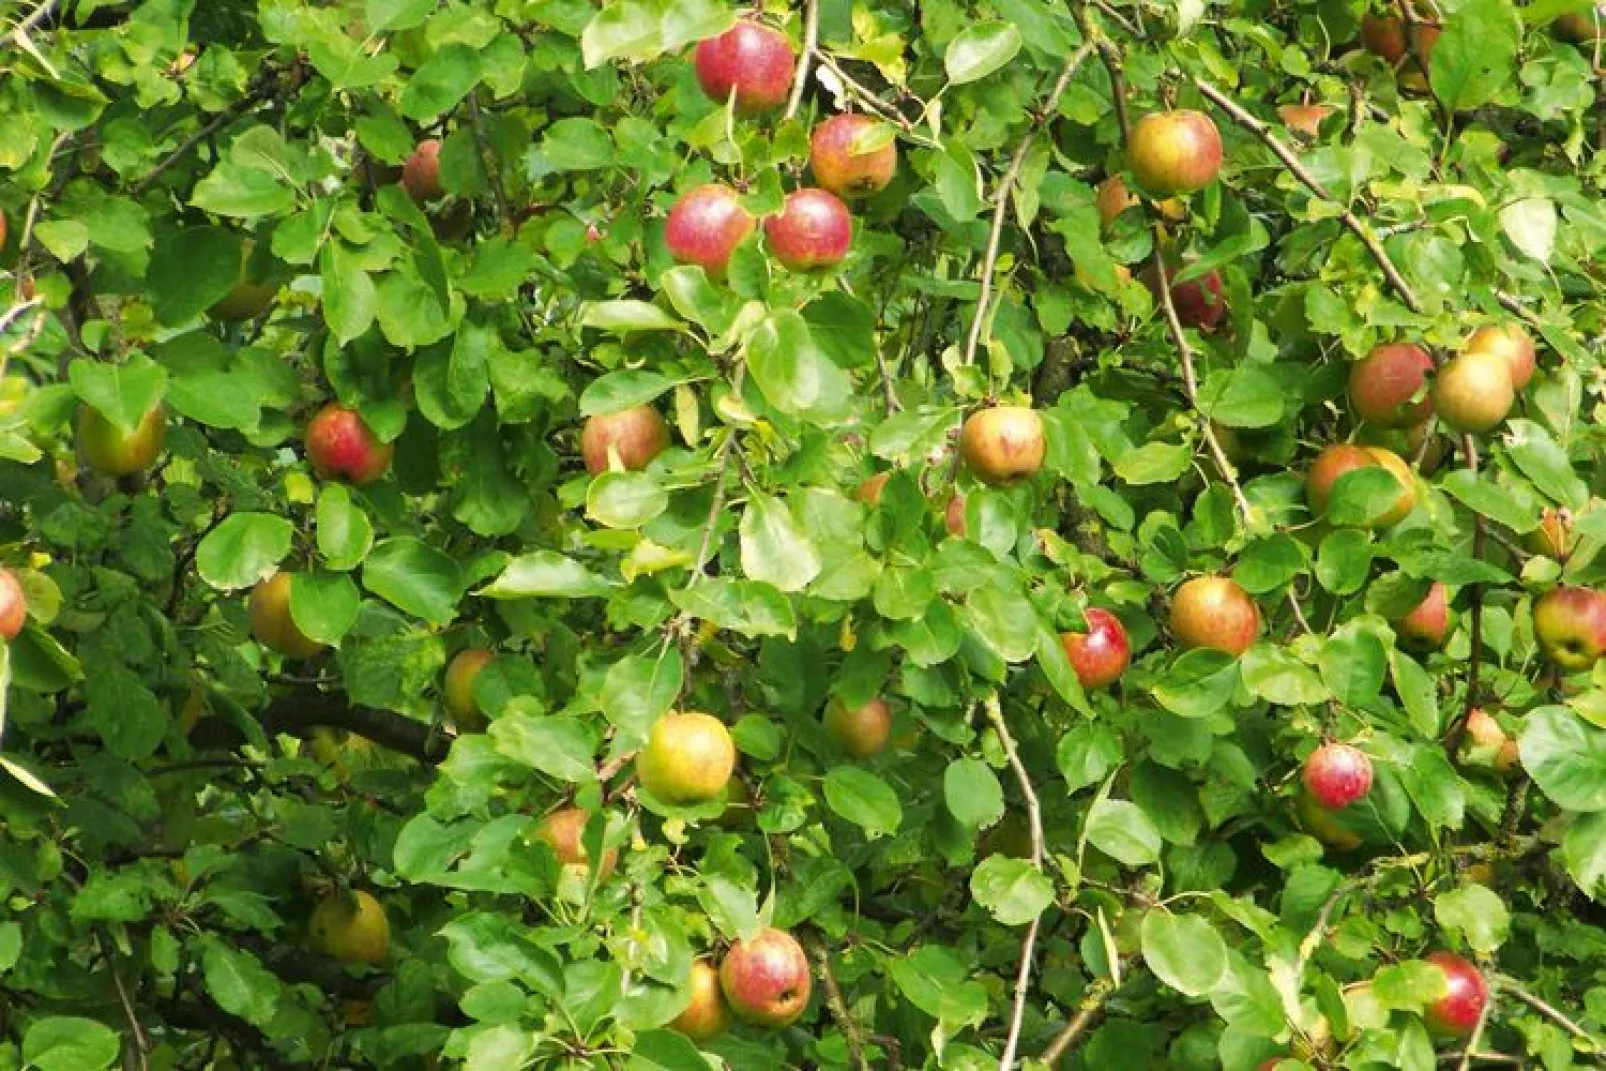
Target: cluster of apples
{"x":762,"y":980}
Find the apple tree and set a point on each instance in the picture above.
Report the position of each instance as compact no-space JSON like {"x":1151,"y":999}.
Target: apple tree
{"x":645,"y":534}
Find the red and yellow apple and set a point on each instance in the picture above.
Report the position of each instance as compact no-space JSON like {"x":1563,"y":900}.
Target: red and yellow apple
{"x":841,"y":161}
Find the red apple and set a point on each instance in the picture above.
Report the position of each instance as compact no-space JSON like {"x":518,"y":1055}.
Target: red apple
{"x":340,"y":447}
{"x":953,"y":517}
{"x":1487,"y":744}
{"x":1304,"y":118}
{"x":840,"y":162}
{"x":1340,"y":458}
{"x":268,"y":610}
{"x":13,"y":605}
{"x":1004,"y":444}
{"x":1512,"y":343}
{"x":1214,"y":612}
{"x":1337,"y":775}
{"x":751,"y":61}
{"x":813,"y":230}
{"x":859,"y":731}
{"x":1175,"y":152}
{"x":1554,"y":536}
{"x":1200,"y":303}
{"x":1112,"y":199}
{"x":1101,"y":654}
{"x":1387,"y":386}
{"x":1570,"y":627}
{"x":110,"y":451}
{"x":1427,"y":626}
{"x":1388,"y":37}
{"x":421,"y":174}
{"x":707,"y":1016}
{"x":766,"y":979}
{"x":635,"y":435}
{"x":705,"y":227}
{"x":1456,"y":1014}
{"x":869,"y":491}
{"x":564,"y":832}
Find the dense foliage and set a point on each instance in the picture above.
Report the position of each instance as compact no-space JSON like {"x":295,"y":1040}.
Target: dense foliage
{"x":438,"y":443}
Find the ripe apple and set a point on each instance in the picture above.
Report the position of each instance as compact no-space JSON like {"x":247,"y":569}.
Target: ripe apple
{"x":1486,"y":744}
{"x":350,"y":927}
{"x":457,"y":689}
{"x":869,"y":491}
{"x":2,"y":230}
{"x":707,"y":1015}
{"x":252,"y":293}
{"x":1214,"y":612}
{"x":13,"y":605}
{"x":1175,"y":153}
{"x":1386,"y":386}
{"x":766,"y":979}
{"x":268,"y":610}
{"x":860,"y":732}
{"x":1579,"y":27}
{"x":1427,"y":626}
{"x":688,"y":758}
{"x":636,"y":435}
{"x":1570,"y":626}
{"x":1200,"y":303}
{"x":705,"y":227}
{"x":1456,"y":1014}
{"x":1340,"y":458}
{"x":340,"y":447}
{"x":1101,"y":654}
{"x":813,"y":230}
{"x":1004,"y":444}
{"x":750,"y":60}
{"x":1337,"y":775}
{"x":1326,"y":825}
{"x":1473,"y":392}
{"x":564,"y":831}
{"x":838,"y":159}
{"x":1512,"y":343}
{"x":1554,"y":536}
{"x":1389,"y":37}
{"x":1304,"y":118}
{"x":1114,"y":198}
{"x":953,"y":517}
{"x":110,"y":452}
{"x":421,"y":174}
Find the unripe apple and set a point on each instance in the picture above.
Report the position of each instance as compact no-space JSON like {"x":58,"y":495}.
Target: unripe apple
{"x":953,"y":517}
{"x":766,"y":979}
{"x":457,"y":689}
{"x":1305,"y":118}
{"x":1004,"y":444}
{"x":813,"y":230}
{"x":840,"y":162}
{"x":869,"y":490}
{"x":564,"y":832}
{"x":268,"y":610}
{"x":251,"y":295}
{"x":1340,"y":458}
{"x":1386,"y":387}
{"x":1175,"y":153}
{"x":1486,"y":743}
{"x":1337,"y":775}
{"x":13,"y":605}
{"x":1427,"y":626}
{"x":421,"y":174}
{"x":1214,"y":612}
{"x":1456,"y":1014}
{"x":1101,"y":654}
{"x":707,"y":1016}
{"x":1554,"y":536}
{"x":636,"y":435}
{"x":1511,"y":342}
{"x":750,"y":60}
{"x":1327,"y":826}
{"x":1199,"y":303}
{"x":110,"y":452}
{"x":705,"y":227}
{"x":340,"y":447}
{"x":350,"y":927}
{"x":1570,"y":627}
{"x":860,"y":732}
{"x":688,"y":758}
{"x":1473,"y":392}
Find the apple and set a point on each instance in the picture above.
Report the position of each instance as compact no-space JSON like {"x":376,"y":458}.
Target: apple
{"x":457,"y":689}
{"x":1175,"y":153}
{"x":869,"y":491}
{"x":1337,"y":775}
{"x":340,"y":447}
{"x":1326,"y":825}
{"x":840,"y":161}
{"x":1388,"y":37}
{"x":635,"y":435}
{"x":1004,"y":444}
{"x":251,"y":295}
{"x":350,"y":927}
{"x":688,"y":758}
{"x":707,"y":1016}
{"x":1456,"y":1014}
{"x":110,"y":451}
{"x":421,"y":174}
{"x":1554,"y":536}
{"x":1474,"y":391}
{"x":1570,"y":626}
{"x":1304,"y":118}
{"x":564,"y":831}
{"x":2,"y":229}
{"x":860,"y":732}
{"x":1214,"y":612}
{"x":813,"y":230}
{"x":1580,"y":27}
{"x":13,"y":605}
{"x":1386,"y":386}
{"x":1512,"y":343}
{"x":1427,"y":626}
{"x":706,"y":225}
{"x":1114,"y":198}
{"x":268,"y":610}
{"x":1340,"y":458}
{"x":953,"y":517}
{"x":766,"y":979}
{"x":1200,"y":303}
{"x":1487,"y":744}
{"x":750,"y":61}
{"x":1101,"y":654}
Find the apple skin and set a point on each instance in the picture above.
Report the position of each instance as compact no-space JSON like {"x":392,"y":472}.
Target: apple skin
{"x":350,"y":928}
{"x":1474,"y":392}
{"x":250,"y":297}
{"x":1487,"y":744}
{"x":268,"y":609}
{"x":1554,"y":536}
{"x":1101,"y":654}
{"x":1175,"y":153}
{"x":1004,"y":444}
{"x":421,"y":174}
{"x":563,"y":831}
{"x":861,"y":732}
{"x":2,"y":230}
{"x":707,"y":1016}
{"x":1337,"y":775}
{"x":110,"y":452}
{"x":457,"y":689}
{"x":1579,"y":27}
{"x":1215,"y":613}
{"x":1200,"y":303}
{"x":1427,"y":626}
{"x":705,"y":226}
{"x":637,"y":435}
{"x":1114,"y":198}
{"x":688,"y":759}
{"x":1340,"y":458}
{"x":766,"y":979}
{"x":13,"y":605}
{"x":1304,"y":118}
{"x":1326,"y":825}
{"x":340,"y":447}
{"x":1388,"y":37}
{"x":839,"y":169}
{"x":751,"y":60}
{"x":869,"y":490}
{"x":1456,"y":1014}
{"x":1570,"y":627}
{"x":813,"y":230}
{"x":953,"y":517}
{"x":1383,"y":383}
{"x":1512,"y":343}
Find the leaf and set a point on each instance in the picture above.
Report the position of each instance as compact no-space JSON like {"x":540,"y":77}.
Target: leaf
{"x":980,"y":50}
{"x":625,"y":316}
{"x":1154,"y":463}
{"x":244,"y":549}
{"x":1511,"y":505}
{"x":863,"y":799}
{"x":191,"y":269}
{"x":544,"y":573}
{"x":324,"y":605}
{"x":1531,"y":226}
{"x":242,"y":192}
{"x":637,"y":690}
{"x":122,"y":393}
{"x":1013,"y":890}
{"x":1584,"y":850}
{"x":1539,"y":457}
{"x":622,"y":390}
{"x":444,"y":79}
{"x":1566,"y":757}
{"x":67,"y":1043}
{"x":791,"y":372}
{"x":625,"y":499}
{"x":1475,"y":55}
{"x":622,"y":30}
{"x":240,"y":984}
{"x":662,"y":1050}
{"x":972,"y":793}
{"x":350,"y":300}
{"x":1184,"y":951}
{"x":1198,"y":683}
{"x":1121,"y":830}
{"x":559,"y":747}
{"x":344,"y":532}
{"x":415,"y":577}
{"x":775,"y":549}
{"x":1476,"y":914}
{"x":750,"y":608}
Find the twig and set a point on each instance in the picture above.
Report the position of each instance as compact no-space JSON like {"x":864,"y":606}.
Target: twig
{"x":1477,"y":1034}
{"x":141,"y":1045}
{"x":811,"y":44}
{"x":1452,"y":738}
{"x":1087,"y":1010}
{"x":863,"y":95}
{"x":301,"y":711}
{"x":1034,"y":818}
{"x":725,"y":450}
{"x":495,"y":176}
{"x":223,"y":118}
{"x":1509,"y":985}
{"x":851,"y":1034}
{"x":39,"y":15}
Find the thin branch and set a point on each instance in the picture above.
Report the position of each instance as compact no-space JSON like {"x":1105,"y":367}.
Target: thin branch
{"x":498,"y":188}
{"x":724,"y":459}
{"x":223,"y":118}
{"x":811,"y":44}
{"x":1510,"y":985}
{"x":1034,"y":818}
{"x":1087,"y":1011}
{"x":863,"y":95}
{"x":1477,"y":1034}
{"x":40,"y":13}
{"x":137,"y":1032}
{"x":838,"y":1005}
{"x":1452,"y":738}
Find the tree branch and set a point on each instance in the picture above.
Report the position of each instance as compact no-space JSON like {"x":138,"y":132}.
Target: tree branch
{"x":838,"y":1005}
{"x":1510,"y":985}
{"x":39,"y":15}
{"x":222,"y":119}
{"x":1034,"y":818}
{"x":299,"y":712}
{"x":811,"y":44}
{"x":1087,"y":1011}
{"x":498,"y":188}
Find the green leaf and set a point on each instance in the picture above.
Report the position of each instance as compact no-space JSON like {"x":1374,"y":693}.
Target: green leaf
{"x":980,"y":50}
{"x":1243,"y":397}
{"x":350,"y":300}
{"x":559,"y":747}
{"x":663,"y":1050}
{"x":1154,"y":463}
{"x":415,"y":577}
{"x":445,"y":79}
{"x":1184,"y":951}
{"x":1199,"y":683}
{"x":324,"y":605}
{"x":732,"y":908}
{"x":1544,"y":462}
{"x":545,"y":573}
{"x":1566,"y":757}
{"x":1476,"y":914}
{"x":1344,"y":561}
{"x":1277,"y":677}
{"x":576,"y":144}
{"x":240,"y":984}
{"x":245,"y":548}
{"x":191,"y":270}
{"x":791,"y":372}
{"x":972,"y":793}
{"x":625,"y":499}
{"x":66,"y":1043}
{"x":863,"y":799}
{"x":1014,"y":891}
{"x":628,"y":29}
{"x":775,"y":548}
{"x":122,"y":393}
{"x":387,"y":15}
{"x":750,"y":608}
{"x":622,"y":390}
{"x":625,"y":316}
{"x":242,"y":192}
{"x":1121,"y":830}
{"x":344,"y":532}
{"x":1475,"y":55}
{"x":1511,"y":505}
{"x":1584,"y":850}
{"x":638,"y":690}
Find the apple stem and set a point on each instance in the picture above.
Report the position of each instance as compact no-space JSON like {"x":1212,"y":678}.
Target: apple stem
{"x":811,"y":43}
